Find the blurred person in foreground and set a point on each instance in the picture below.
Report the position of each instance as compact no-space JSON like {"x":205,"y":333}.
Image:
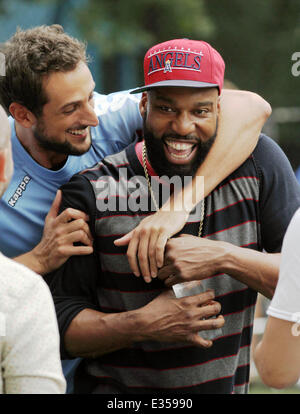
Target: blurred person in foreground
{"x":29,"y":339}
{"x":137,"y":337}
{"x":277,"y":356}
{"x":61,"y":126}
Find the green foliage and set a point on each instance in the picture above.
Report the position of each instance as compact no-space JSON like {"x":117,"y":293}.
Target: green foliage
{"x":127,"y":27}
{"x":257,"y":39}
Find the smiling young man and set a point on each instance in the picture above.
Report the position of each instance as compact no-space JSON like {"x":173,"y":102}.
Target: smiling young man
{"x":64,"y":127}
{"x":136,"y":337}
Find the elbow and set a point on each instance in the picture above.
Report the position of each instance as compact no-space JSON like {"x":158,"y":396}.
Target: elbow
{"x":264,"y":107}
{"x":272,"y":373}
{"x":269,"y":291}
{"x":277,"y":380}
{"x":267,"y":110}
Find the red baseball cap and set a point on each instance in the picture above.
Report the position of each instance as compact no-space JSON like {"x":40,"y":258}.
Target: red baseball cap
{"x":183,"y":62}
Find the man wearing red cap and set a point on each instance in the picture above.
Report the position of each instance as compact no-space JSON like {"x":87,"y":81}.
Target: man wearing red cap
{"x":137,"y":337}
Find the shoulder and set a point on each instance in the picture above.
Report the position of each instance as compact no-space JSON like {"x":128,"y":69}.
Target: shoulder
{"x":20,"y":285}
{"x":108,"y":166}
{"x":120,"y":121}
{"x":83,"y":189}
{"x":267,"y":151}
{"x":114,"y":102}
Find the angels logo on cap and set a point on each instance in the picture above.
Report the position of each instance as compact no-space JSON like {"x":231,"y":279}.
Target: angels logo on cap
{"x":168,"y":67}
{"x":183,"y":62}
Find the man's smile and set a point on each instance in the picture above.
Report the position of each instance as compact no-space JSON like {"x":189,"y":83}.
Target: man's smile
{"x":179,"y":151}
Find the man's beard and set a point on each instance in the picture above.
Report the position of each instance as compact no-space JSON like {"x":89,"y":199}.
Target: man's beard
{"x":50,"y":143}
{"x":162,"y":166}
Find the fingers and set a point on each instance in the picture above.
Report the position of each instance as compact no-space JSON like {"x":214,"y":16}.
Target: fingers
{"x":205,"y":325}
{"x":202,"y":299}
{"x":78,"y":236}
{"x":206,"y":319}
{"x":76,"y":231}
{"x":197,"y":340}
{"x":66,"y":251}
{"x":202,"y":305}
{"x":152,"y":254}
{"x":71,"y":214}
{"x":213,"y":323}
{"x":143,"y":258}
{"x":53,"y":212}
{"x":141,"y":253}
{"x":149,"y":250}
{"x":132,"y":254}
{"x":145,"y":251}
{"x":123,"y":241}
{"x":160,"y":249}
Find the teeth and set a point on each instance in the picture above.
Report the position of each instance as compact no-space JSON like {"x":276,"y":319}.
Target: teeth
{"x":180,"y":146}
{"x":77,"y":131}
{"x":180,"y":156}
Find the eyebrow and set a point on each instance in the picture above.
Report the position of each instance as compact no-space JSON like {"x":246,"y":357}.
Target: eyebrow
{"x":74,"y":102}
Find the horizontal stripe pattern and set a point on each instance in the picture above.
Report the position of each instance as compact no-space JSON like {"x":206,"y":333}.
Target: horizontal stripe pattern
{"x":184,"y":377}
{"x":231,"y":215}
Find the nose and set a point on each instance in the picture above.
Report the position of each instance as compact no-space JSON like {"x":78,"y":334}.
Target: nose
{"x":89,"y":117}
{"x":183,"y":124}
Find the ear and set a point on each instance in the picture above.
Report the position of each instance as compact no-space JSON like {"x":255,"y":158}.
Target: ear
{"x":2,"y":166}
{"x":218,"y":106}
{"x":143,"y":104}
{"x":22,"y":115}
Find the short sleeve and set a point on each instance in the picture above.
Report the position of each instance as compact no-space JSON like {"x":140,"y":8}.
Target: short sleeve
{"x":286,"y":300}
{"x":74,"y":284}
{"x":279,"y":193}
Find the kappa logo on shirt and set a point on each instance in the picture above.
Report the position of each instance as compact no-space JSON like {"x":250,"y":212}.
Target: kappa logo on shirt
{"x":19,"y":191}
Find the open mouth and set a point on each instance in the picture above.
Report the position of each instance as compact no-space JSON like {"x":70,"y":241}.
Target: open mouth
{"x":79,"y":133}
{"x":179,"y":151}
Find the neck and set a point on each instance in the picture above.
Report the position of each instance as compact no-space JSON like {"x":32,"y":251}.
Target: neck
{"x":47,"y":159}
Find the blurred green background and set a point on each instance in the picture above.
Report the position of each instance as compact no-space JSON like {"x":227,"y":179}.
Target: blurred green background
{"x":256,"y":38}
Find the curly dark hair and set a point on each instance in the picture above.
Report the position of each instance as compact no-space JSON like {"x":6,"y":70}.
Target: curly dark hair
{"x":30,"y":56}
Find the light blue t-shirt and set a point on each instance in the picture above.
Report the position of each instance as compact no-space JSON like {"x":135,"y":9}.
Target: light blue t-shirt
{"x":27,"y":200}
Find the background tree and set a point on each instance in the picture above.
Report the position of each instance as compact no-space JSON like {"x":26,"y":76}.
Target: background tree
{"x":257,"y":39}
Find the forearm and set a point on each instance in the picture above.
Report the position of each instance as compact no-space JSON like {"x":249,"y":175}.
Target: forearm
{"x":279,"y":369}
{"x":92,"y":333}
{"x":256,"y":269}
{"x":164,"y":319}
{"x":31,"y":261}
{"x":241,"y":119}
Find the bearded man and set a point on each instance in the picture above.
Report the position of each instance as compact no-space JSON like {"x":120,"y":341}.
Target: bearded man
{"x":137,"y":337}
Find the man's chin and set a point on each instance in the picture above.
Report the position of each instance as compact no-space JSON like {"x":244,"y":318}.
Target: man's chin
{"x":79,"y":150}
